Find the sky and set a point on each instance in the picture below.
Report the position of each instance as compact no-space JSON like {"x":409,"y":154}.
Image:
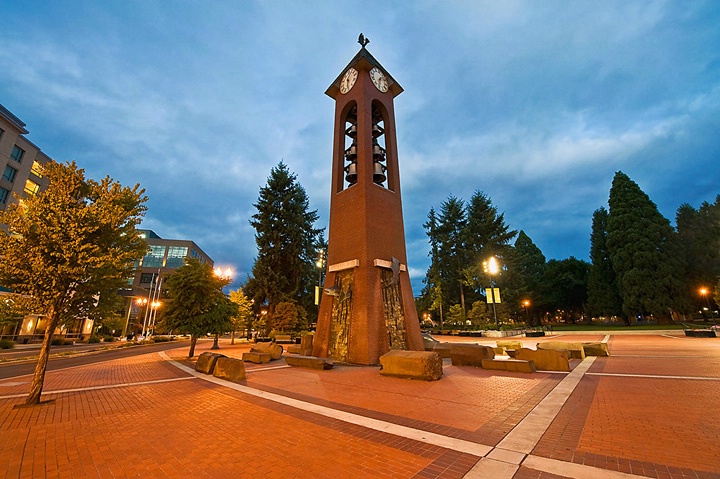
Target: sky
{"x":536,"y":104}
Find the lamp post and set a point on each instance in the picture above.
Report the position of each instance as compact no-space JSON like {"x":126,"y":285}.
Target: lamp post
{"x":226,"y":275}
{"x":526,"y":303}
{"x":491,"y":268}
{"x":319,"y":264}
{"x":704,"y":292}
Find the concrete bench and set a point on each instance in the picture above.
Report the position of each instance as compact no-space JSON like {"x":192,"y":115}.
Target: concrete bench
{"x":231,"y":369}
{"x":311,"y":362}
{"x":284,"y":339}
{"x":257,"y":357}
{"x":272,"y":348}
{"x":545,"y":359}
{"x":576,"y":350}
{"x":470,"y":354}
{"x":206,"y":362}
{"x":305,"y":346}
{"x":514,"y":365}
{"x":443,"y":349}
{"x":424,"y":365}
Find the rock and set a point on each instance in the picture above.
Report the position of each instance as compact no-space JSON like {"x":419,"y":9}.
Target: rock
{"x":424,"y":365}
{"x":272,"y":348}
{"x":206,"y":362}
{"x":575,"y":349}
{"x":545,"y":359}
{"x":257,"y":358}
{"x":509,"y":344}
{"x":443,"y":349}
{"x":470,"y":354}
{"x":305,"y":346}
{"x":514,"y":365}
{"x":231,"y":369}
{"x":596,"y":349}
{"x":311,"y":362}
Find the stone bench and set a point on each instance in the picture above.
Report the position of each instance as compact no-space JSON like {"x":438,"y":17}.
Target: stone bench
{"x":596,"y":349}
{"x":272,"y":348}
{"x":509,"y":344}
{"x":470,"y":354}
{"x":576,"y":350}
{"x":256,"y":357}
{"x":231,"y":369}
{"x":304,"y":348}
{"x":206,"y":362}
{"x":284,"y":339}
{"x":311,"y":362}
{"x":514,"y":365}
{"x":424,"y":365}
{"x":443,"y":349}
{"x":545,"y":359}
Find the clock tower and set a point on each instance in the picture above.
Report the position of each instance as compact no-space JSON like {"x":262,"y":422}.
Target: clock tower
{"x":367,"y":307}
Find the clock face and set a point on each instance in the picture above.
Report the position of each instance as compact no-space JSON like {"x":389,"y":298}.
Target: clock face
{"x":379,"y":80}
{"x":348,"y":80}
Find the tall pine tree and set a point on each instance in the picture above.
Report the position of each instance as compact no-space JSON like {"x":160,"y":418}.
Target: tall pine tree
{"x":644,"y":251}
{"x":287,"y":242}
{"x":603,"y":295}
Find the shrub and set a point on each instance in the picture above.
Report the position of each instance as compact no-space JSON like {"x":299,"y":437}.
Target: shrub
{"x":58,"y":342}
{"x":94,"y":339}
{"x":6,"y":344}
{"x":108,"y":338}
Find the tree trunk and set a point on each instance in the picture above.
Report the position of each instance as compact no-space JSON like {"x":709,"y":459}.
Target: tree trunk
{"x":215,"y":342}
{"x":193,"y":342}
{"x":39,"y":376}
{"x":232,"y":337}
{"x":462,"y":299}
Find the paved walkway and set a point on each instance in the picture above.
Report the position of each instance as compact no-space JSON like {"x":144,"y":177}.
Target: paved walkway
{"x":649,"y":410}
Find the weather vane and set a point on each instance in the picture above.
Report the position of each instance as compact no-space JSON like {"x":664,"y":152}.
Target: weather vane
{"x":362,"y":40}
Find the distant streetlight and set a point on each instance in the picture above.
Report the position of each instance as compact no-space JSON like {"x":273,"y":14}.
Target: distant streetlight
{"x":526,"y":303}
{"x":224,"y":274}
{"x":319,"y":264}
{"x":491,"y":268}
{"x":704,"y":292}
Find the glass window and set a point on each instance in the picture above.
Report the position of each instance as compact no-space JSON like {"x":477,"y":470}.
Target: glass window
{"x":147,"y":278}
{"x":37,"y":169}
{"x":9,"y":173}
{"x":17,"y":153}
{"x":31,"y":187}
{"x":4,"y":194}
{"x":176,"y":256}
{"x":154,"y":259}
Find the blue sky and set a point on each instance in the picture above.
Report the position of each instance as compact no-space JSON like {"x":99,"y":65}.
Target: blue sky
{"x":537,"y":104}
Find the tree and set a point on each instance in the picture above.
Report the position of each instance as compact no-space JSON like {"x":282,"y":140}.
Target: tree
{"x":525,"y":273}
{"x":433,"y":283}
{"x":244,"y":317}
{"x":603,"y":295}
{"x":452,"y":255}
{"x":69,"y":250}
{"x":287,"y":242}
{"x":196,"y":302}
{"x":645,"y":253}
{"x":289,"y":317}
{"x":566,"y":286}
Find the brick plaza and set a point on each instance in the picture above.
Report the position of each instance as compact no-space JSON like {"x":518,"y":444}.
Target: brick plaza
{"x":651,"y":409}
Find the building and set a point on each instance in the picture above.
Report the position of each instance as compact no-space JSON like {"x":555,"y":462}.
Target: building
{"x":144,"y":293}
{"x":21,"y":161}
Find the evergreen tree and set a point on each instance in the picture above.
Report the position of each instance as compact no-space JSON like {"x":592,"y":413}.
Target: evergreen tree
{"x":432,"y":292}
{"x":452,"y":254}
{"x":699,"y":234}
{"x":644,"y":251}
{"x":523,"y":279}
{"x":69,"y":250}
{"x":603,"y":295}
{"x":287,"y":242}
{"x":566,"y":286}
{"x":196,"y":302}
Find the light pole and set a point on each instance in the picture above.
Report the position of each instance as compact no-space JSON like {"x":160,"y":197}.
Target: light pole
{"x":225,"y":275}
{"x":526,"y":303}
{"x":491,"y":268}
{"x":704,"y":292}
{"x":319,"y":264}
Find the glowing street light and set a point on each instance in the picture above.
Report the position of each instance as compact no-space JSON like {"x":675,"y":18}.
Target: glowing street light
{"x":491,"y":268}
{"x":526,"y":303}
{"x":704,"y":292}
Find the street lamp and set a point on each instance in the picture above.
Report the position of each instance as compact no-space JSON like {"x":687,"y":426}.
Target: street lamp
{"x":704,"y":292}
{"x":526,"y":303}
{"x":491,"y":268}
{"x":319,"y":264}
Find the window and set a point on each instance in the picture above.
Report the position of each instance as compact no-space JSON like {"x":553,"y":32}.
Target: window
{"x":147,"y":278}
{"x":9,"y":173}
{"x":37,"y":169}
{"x":31,"y":188}
{"x":17,"y":154}
{"x":176,"y":256}
{"x":154,"y":259}
{"x":4,"y":195}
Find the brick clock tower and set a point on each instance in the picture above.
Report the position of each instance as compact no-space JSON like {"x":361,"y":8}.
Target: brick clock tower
{"x":367,"y":307}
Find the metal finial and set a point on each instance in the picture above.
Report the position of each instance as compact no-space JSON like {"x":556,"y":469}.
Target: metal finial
{"x":362,"y":40}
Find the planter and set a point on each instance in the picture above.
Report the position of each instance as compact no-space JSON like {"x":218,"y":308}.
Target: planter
{"x":534,"y":334}
{"x":700,"y":333}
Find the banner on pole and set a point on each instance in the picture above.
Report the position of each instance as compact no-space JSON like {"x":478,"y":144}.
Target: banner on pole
{"x":492,"y":295}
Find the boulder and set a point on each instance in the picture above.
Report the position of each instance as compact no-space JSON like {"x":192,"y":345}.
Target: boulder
{"x":305,"y":346}
{"x":311,"y":362}
{"x":545,"y":359}
{"x":272,"y":348}
{"x":206,"y":362}
{"x":596,"y":349}
{"x":424,"y":365}
{"x":257,"y":358}
{"x":231,"y":369}
{"x":576,"y":350}
{"x":509,"y":344}
{"x":470,"y":354}
{"x":514,"y":365}
{"x":443,"y":349}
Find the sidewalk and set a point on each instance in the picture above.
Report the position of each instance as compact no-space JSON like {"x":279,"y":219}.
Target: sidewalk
{"x":649,"y":410}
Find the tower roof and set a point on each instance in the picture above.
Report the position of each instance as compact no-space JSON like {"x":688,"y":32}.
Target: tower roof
{"x":364,"y":61}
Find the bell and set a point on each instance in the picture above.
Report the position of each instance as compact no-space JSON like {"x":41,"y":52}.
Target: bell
{"x":377,"y":130}
{"x":378,"y":173}
{"x":378,"y":151}
{"x":352,"y":131}
{"x":351,"y":152}
{"x":351,"y":171}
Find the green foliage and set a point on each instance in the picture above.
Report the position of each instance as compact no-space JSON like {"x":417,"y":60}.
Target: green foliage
{"x":94,"y":339}
{"x":289,"y":317}
{"x":6,"y":344}
{"x":644,"y":252}
{"x":566,"y":286}
{"x":480,"y":313}
{"x":60,"y":341}
{"x":196,"y":303}
{"x":603,"y":294}
{"x":456,"y":315}
{"x":109,"y":339}
{"x":245,"y":317}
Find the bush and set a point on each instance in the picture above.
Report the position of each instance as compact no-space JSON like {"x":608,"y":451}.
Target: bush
{"x":162,"y":339}
{"x":108,"y":338}
{"x":94,"y":339}
{"x":59,"y":341}
{"x":6,"y":344}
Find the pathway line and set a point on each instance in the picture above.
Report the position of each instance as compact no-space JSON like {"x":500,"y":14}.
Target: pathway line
{"x":653,"y":376}
{"x":106,"y":386}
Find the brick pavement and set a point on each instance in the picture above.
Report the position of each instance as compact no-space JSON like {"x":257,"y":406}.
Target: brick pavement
{"x":145,"y":417}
